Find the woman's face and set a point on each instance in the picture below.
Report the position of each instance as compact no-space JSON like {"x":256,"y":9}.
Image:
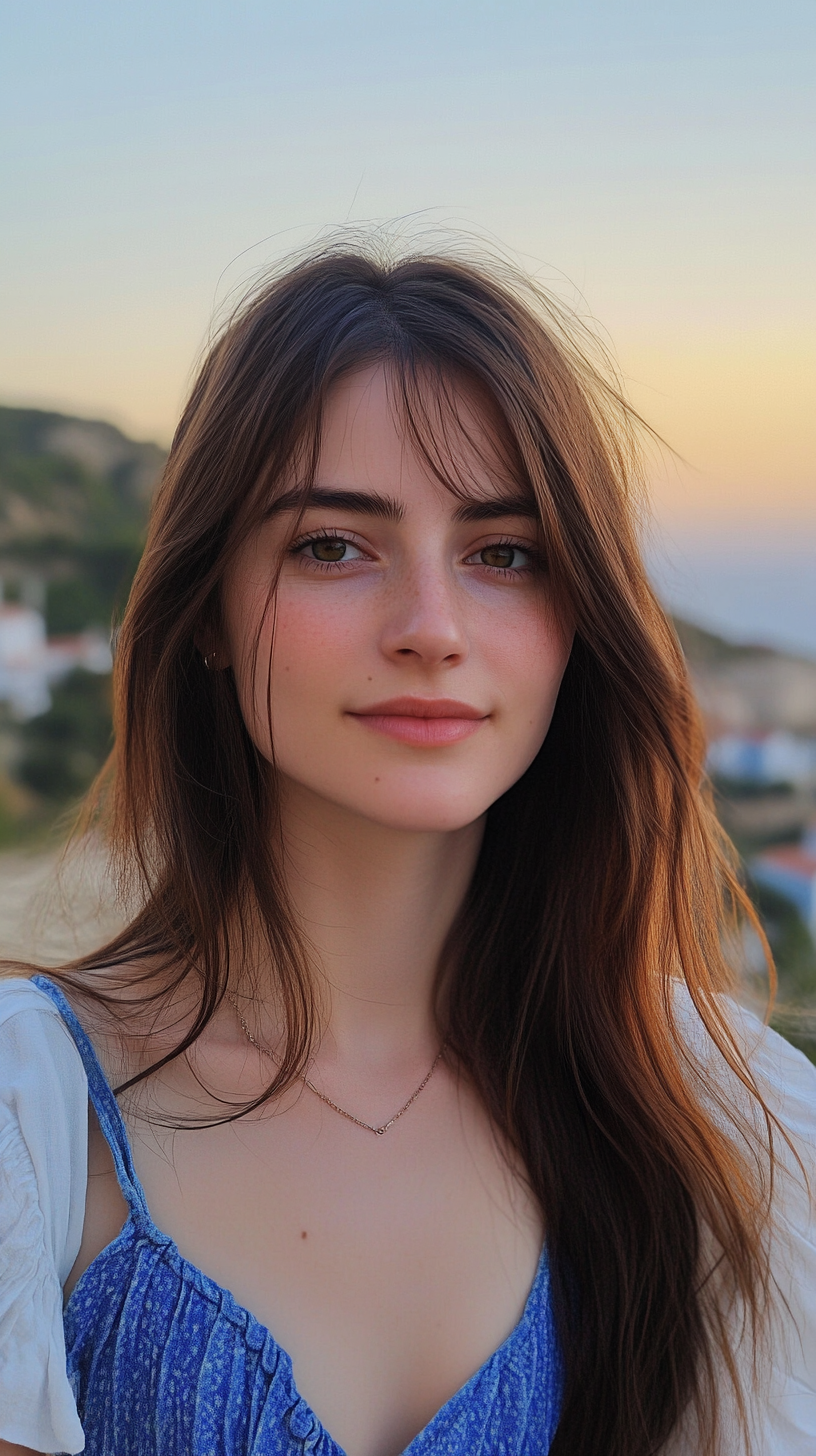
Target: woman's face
{"x":417,"y":656}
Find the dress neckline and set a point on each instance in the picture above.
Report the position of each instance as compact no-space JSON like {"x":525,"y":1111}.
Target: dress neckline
{"x":139,"y":1223}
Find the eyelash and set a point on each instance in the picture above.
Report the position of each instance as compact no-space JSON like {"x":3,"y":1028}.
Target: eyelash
{"x":297,"y":548}
{"x":534,"y":565}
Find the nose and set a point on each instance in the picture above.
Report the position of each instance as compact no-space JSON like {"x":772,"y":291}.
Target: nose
{"x":425,"y":621}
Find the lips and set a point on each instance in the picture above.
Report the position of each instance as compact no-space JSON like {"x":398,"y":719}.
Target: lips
{"x":422,"y":722}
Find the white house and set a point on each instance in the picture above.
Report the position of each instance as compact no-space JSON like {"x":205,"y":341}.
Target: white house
{"x":790,"y":869}
{"x":764,"y":758}
{"x":30,"y":662}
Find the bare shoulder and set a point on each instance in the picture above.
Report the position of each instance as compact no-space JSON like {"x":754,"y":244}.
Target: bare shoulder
{"x":138,"y":1015}
{"x":133,"y":1011}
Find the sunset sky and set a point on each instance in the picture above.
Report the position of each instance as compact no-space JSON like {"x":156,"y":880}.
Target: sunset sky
{"x":651,"y":161}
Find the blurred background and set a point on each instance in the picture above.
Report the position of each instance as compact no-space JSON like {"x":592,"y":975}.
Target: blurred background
{"x":650,"y":162}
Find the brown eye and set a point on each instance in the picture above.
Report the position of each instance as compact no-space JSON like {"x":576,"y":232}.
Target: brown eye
{"x":328,"y":549}
{"x":501,"y":557}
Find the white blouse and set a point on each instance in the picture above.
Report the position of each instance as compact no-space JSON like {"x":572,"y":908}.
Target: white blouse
{"x":43,"y":1173}
{"x":43,"y":1176}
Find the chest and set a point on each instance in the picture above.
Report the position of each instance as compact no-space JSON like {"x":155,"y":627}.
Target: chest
{"x":390,"y":1268}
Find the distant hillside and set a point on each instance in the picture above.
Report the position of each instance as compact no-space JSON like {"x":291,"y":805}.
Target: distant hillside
{"x":745,"y":688}
{"x":73,"y":505}
{"x":706,"y":649}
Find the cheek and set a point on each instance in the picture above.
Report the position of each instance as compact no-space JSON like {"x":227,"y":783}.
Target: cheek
{"x":305,"y":675}
{"x":319,"y":638}
{"x":527,"y":664}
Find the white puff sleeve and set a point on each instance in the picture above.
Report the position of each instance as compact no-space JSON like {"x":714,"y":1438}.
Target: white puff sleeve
{"x":782,"y":1411}
{"x":43,"y":1176}
{"x":787,"y":1081}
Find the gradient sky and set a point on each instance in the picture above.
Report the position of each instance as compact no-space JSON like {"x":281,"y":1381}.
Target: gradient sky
{"x":651,"y":161}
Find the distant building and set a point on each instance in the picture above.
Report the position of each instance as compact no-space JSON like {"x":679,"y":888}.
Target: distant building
{"x":790,"y":869}
{"x":779,"y":757}
{"x":30,"y":662}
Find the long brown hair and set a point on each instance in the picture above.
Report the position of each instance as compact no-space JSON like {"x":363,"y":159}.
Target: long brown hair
{"x":604,"y":881}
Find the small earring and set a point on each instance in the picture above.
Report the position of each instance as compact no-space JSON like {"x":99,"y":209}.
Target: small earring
{"x":209,"y":661}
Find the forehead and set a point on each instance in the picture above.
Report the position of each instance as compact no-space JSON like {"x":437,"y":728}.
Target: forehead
{"x":446,"y":430}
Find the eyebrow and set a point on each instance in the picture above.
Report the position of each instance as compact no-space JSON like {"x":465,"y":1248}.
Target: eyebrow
{"x":494,"y":507}
{"x":361,"y":502}
{"x":387,"y":508}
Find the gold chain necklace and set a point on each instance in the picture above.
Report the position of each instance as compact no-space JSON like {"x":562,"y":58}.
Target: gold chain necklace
{"x":378,"y":1131}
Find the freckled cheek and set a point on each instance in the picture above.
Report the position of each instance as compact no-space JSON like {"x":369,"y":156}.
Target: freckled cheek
{"x":310,"y":632}
{"x":527,"y":663}
{"x":314,"y":656}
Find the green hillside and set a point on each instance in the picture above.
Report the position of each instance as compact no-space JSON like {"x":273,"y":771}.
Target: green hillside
{"x":73,"y":505}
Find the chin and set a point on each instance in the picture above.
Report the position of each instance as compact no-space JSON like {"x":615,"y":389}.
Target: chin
{"x":416,"y":803}
{"x":419,"y":815}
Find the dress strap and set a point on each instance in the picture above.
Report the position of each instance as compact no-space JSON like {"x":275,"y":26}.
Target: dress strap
{"x":102,"y":1098}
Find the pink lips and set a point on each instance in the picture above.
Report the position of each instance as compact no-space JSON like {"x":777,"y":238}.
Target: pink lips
{"x":423,"y":722}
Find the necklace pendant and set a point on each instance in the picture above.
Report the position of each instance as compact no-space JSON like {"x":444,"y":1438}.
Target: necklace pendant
{"x":380,"y":1130}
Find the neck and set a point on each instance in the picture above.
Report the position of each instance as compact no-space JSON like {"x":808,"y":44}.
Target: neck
{"x":376,"y":905}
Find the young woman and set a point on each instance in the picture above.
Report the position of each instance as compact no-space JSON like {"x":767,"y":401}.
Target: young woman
{"x":434,"y":1128}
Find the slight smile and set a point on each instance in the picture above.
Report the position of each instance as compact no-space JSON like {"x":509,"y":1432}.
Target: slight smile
{"x":422,"y":722}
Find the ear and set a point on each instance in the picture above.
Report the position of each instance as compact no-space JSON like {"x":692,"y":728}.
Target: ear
{"x":212,"y":652}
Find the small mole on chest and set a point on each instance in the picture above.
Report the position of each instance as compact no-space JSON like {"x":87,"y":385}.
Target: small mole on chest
{"x":303,"y":1233}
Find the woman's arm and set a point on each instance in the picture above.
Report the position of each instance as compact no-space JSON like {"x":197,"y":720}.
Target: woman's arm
{"x":782,"y":1401}
{"x":43,"y":1178}
{"x":6,"y":1449}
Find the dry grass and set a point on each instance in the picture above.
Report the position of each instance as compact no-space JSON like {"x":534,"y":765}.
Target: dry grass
{"x":51,"y":909}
